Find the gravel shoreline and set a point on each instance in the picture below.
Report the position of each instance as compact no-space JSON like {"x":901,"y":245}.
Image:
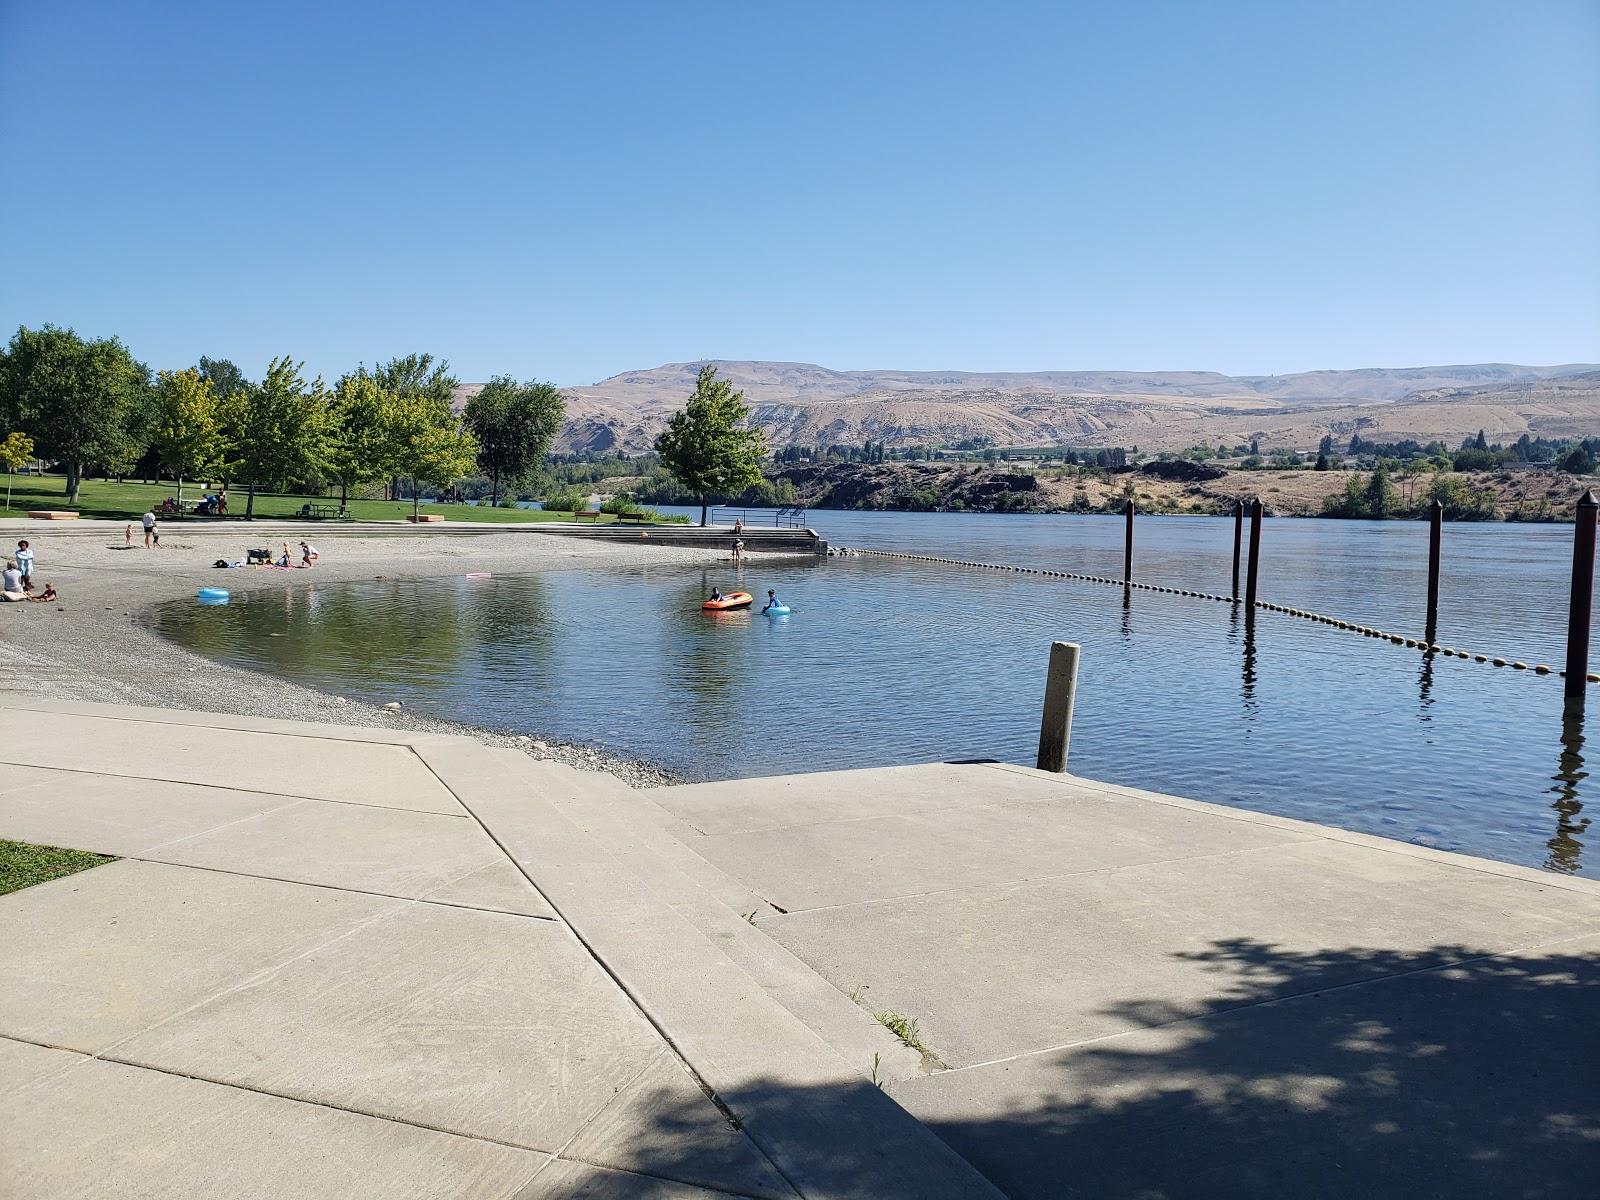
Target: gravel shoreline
{"x":98,"y":643}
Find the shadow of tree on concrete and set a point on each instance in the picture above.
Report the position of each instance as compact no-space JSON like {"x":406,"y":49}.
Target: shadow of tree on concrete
{"x":1453,"y":1074}
{"x":1450,"y":1073}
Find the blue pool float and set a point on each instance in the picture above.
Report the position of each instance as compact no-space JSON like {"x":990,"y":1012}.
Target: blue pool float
{"x":213,"y":595}
{"x":777,"y":610}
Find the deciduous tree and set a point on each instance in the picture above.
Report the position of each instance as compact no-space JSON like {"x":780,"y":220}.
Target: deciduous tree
{"x":189,"y":434}
{"x":279,"y":430}
{"x":16,"y":451}
{"x":426,"y":442}
{"x":362,"y":446}
{"x":514,"y":424}
{"x":708,"y":446}
{"x":77,"y":398}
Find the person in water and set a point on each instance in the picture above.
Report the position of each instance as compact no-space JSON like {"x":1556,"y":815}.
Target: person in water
{"x":772,"y":600}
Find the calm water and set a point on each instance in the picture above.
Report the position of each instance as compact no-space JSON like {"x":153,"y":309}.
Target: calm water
{"x":891,"y":662}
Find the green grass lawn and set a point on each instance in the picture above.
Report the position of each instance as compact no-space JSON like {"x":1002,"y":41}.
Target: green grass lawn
{"x":23,"y":865}
{"x":126,"y":501}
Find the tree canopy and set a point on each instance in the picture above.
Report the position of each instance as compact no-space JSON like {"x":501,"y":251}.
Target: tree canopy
{"x":514,"y":424}
{"x":425,"y":441}
{"x":280,"y":430}
{"x":223,"y":376}
{"x":362,"y":447}
{"x":82,"y":401}
{"x":189,"y":435}
{"x":708,"y":446}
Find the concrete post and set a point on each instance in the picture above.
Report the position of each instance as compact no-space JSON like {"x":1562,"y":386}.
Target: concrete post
{"x":1060,"y":688}
{"x":1255,"y":557}
{"x":1238,"y":541}
{"x":1435,"y":530}
{"x":1582,"y":597}
{"x":1127,"y":549}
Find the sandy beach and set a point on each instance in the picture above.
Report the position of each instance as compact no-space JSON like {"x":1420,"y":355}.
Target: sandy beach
{"x":98,"y":642}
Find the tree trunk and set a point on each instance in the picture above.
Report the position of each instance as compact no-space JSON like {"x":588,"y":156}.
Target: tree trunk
{"x":704,"y":510}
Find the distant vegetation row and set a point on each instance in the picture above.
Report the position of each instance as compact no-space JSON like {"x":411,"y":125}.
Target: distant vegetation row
{"x":88,"y":407}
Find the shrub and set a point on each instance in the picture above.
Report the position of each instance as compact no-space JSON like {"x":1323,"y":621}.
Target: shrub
{"x":564,"y":501}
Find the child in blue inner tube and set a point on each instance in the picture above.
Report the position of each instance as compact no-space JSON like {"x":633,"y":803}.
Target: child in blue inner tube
{"x":772,"y":600}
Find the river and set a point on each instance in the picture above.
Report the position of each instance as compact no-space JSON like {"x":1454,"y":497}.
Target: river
{"x":886,"y":661}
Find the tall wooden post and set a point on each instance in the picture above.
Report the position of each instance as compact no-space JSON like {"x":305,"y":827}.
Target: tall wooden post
{"x":1435,"y":531}
{"x":1255,"y":557}
{"x":1127,"y":548}
{"x":1238,"y":541}
{"x":1582,"y":596}
{"x":1060,"y":688}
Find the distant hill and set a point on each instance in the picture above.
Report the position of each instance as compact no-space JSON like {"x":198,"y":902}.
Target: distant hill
{"x":801,"y":403}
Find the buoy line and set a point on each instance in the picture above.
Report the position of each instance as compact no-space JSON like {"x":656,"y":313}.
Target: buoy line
{"x":1303,"y":614}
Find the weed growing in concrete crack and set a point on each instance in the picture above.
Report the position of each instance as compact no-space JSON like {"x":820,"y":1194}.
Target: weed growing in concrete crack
{"x":902,"y":1026}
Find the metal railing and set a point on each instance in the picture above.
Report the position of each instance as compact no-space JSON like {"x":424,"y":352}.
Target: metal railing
{"x":777,"y":518}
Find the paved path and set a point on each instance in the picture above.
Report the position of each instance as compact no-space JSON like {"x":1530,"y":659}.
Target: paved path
{"x":342,"y":962}
{"x":322,"y":967}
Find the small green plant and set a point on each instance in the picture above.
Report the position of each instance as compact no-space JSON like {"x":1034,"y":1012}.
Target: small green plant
{"x":902,"y":1026}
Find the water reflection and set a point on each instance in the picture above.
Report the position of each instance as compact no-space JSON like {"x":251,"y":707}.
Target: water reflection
{"x":887,"y":661}
{"x":1247,"y":688}
{"x":1566,"y":847}
{"x":1425,"y":683}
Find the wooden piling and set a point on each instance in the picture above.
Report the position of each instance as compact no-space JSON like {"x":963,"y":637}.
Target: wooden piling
{"x":1127,"y":548}
{"x":1060,"y":688}
{"x":1581,"y":605}
{"x":1238,"y":542}
{"x":1435,"y":536}
{"x":1255,"y":557}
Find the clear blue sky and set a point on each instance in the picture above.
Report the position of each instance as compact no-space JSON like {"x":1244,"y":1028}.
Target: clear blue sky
{"x":568,"y":190}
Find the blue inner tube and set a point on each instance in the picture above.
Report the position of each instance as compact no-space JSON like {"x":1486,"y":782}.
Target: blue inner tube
{"x":777,"y":610}
{"x":212,"y":593}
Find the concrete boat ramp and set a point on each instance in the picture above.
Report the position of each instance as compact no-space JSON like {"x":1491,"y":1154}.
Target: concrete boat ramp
{"x":335,"y":962}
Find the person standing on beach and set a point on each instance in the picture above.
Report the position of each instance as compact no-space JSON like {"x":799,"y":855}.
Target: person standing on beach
{"x":152,"y":536}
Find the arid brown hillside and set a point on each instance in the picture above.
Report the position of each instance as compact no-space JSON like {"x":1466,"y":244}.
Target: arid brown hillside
{"x":798,"y":403}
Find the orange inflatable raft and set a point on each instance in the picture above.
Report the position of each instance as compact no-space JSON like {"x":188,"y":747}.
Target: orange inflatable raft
{"x":729,"y":602}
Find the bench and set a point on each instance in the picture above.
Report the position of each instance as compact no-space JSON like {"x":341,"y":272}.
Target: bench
{"x":637,"y":518}
{"x":586,"y":516}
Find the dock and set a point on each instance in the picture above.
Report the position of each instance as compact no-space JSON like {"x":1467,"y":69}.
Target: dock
{"x":331,"y":961}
